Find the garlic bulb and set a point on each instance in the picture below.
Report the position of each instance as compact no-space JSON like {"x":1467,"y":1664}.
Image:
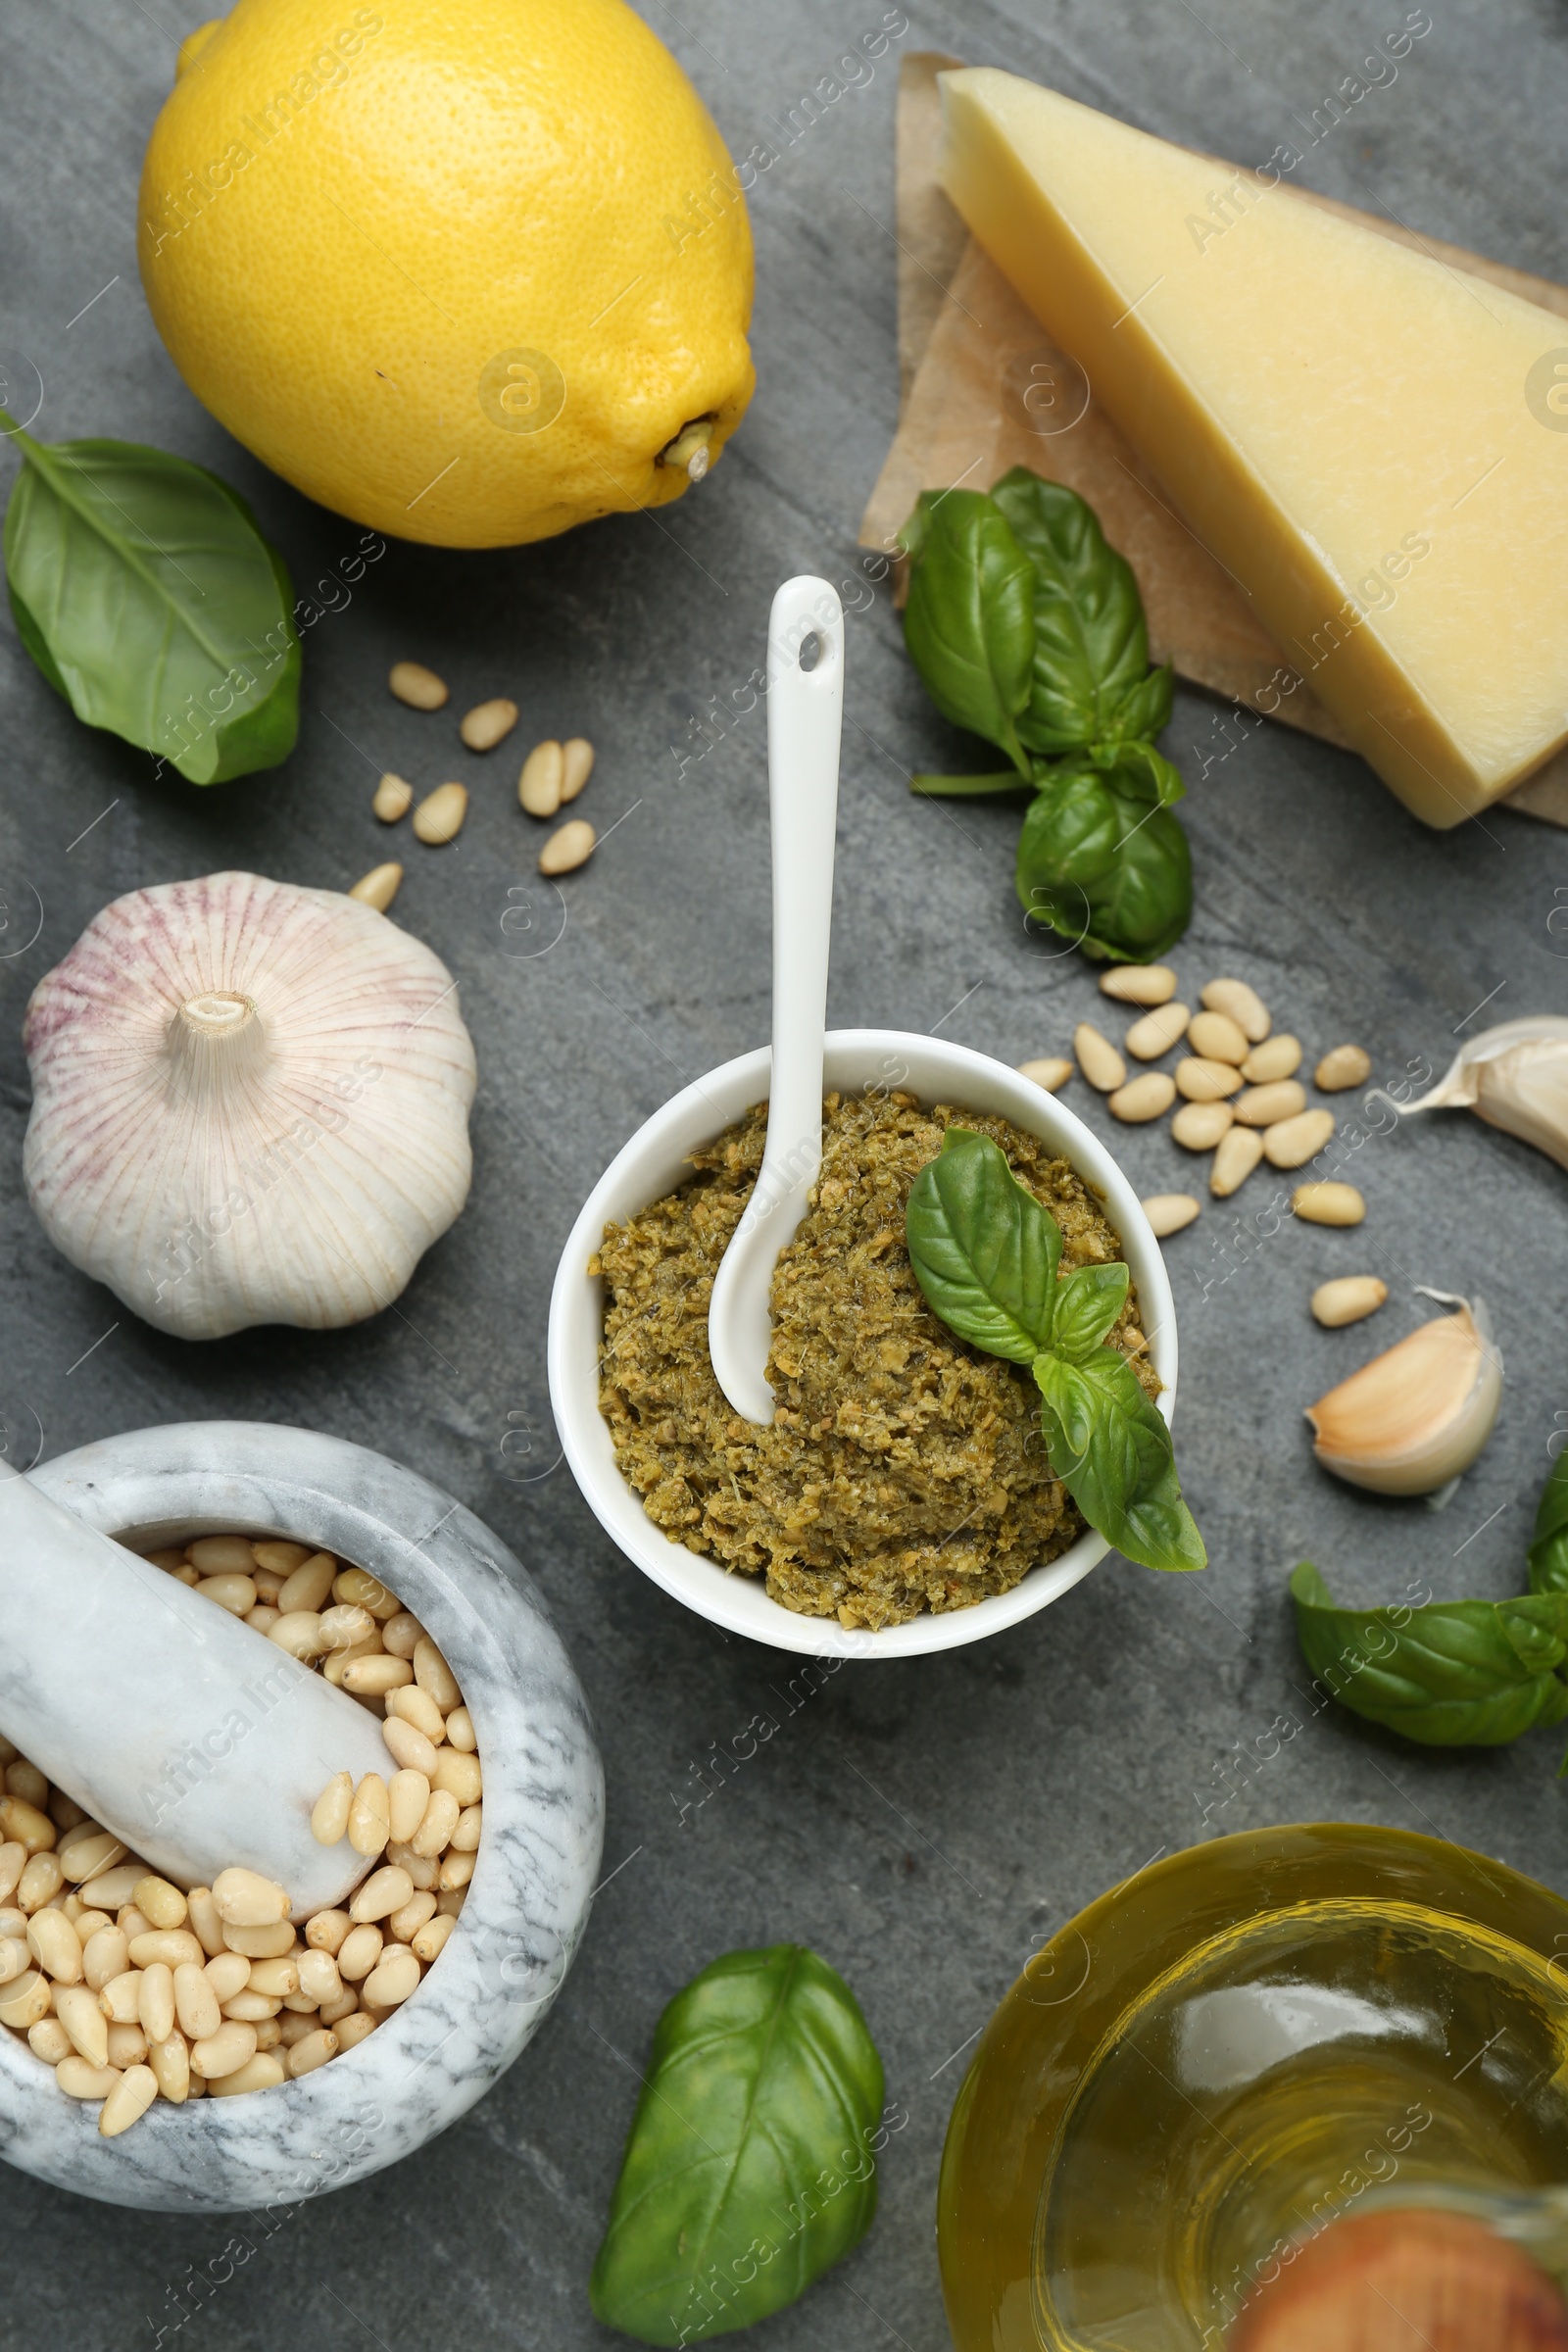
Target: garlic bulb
{"x":250,"y":1104}
{"x":1515,"y":1077}
{"x":1415,"y":1417}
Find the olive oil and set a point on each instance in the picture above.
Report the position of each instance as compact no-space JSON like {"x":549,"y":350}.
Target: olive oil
{"x":1231,"y":2051}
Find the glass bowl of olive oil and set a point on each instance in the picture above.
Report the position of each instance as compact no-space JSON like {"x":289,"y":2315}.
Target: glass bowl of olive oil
{"x":1228,"y":2052}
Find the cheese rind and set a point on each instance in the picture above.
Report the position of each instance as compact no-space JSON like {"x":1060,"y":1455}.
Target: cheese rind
{"x":1367,"y":440}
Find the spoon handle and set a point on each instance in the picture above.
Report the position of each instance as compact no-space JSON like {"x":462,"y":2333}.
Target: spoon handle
{"x":804,"y":721}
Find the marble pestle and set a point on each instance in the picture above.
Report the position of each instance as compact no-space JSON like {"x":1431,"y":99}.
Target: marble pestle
{"x":189,"y":1736}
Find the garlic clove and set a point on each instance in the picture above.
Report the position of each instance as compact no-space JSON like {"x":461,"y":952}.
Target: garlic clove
{"x":1515,"y":1077}
{"x":1415,"y":1417}
{"x":250,"y":1104}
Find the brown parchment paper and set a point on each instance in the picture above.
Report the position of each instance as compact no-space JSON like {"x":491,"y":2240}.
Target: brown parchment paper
{"x":984,"y":387}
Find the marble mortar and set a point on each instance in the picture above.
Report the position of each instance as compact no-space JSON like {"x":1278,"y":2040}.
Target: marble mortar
{"x":489,"y":1991}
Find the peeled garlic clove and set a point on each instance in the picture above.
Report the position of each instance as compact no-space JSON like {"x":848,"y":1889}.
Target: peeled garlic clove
{"x":250,"y":1104}
{"x":1514,"y":1077}
{"x":1417,"y":1415}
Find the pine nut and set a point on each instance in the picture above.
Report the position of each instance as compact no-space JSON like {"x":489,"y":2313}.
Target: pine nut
{"x":392,"y":797}
{"x":48,"y":2039}
{"x":1238,"y":1155}
{"x":235,"y":1593}
{"x":1296,"y":1141}
{"x":1268,"y":1105}
{"x":346,"y":1625}
{"x":541,"y":785}
{"x":134,"y":1922}
{"x":281,"y":1558}
{"x":373,"y":1678}
{"x":333,"y":2013}
{"x":417,"y":686}
{"x":14,"y":1922}
{"x":1051,"y":1072}
{"x":1348,"y":1300}
{"x":23,"y":1779}
{"x":187,"y":1574}
{"x":407,"y":1795}
{"x":318,"y":1977}
{"x":225,"y":2051}
{"x":385,"y":1891}
{"x":421,"y":1868}
{"x":340,"y":1660}
{"x":248,"y":2008}
{"x":204,"y":1921}
{"x":362,"y":1949}
{"x":196,"y":2002}
{"x":434,"y":1833}
{"x":369,"y":1817}
{"x":1142,"y":1099}
{"x":83,"y":2019}
{"x":1199,"y":1126}
{"x":329,"y":1815}
{"x":263,"y":2072}
{"x":326,"y":1930}
{"x":169,"y":2060}
{"x":13,"y":1862}
{"x":41,"y":1881}
{"x":308,"y":1583}
{"x":428,"y":1940}
{"x":1344,"y":1067}
{"x":245,"y":1899}
{"x":1098,"y":1058}
{"x":1157,"y":1031}
{"x":26,"y":1999}
{"x":353,"y":2029}
{"x":409,"y":1747}
{"x":439,"y":816}
{"x":113,"y":1888}
{"x":128,"y":2100}
{"x":15,"y":1958}
{"x":275,"y":1977}
{"x":128,"y":2046}
{"x":104,"y":1954}
{"x":23,"y":1823}
{"x":155,"y":2001}
{"x":296,"y":2018}
{"x":221,"y":1555}
{"x":357,"y":1586}
{"x":1241,"y":1004}
{"x":418,"y":1707}
{"x":577,"y":757}
{"x":1277,"y":1056}
{"x":174,"y":1945}
{"x":395,"y":1976}
{"x":460,"y":1776}
{"x":228,"y":1973}
{"x":460,"y":1731}
{"x":456,"y":1871}
{"x":401,"y":1632}
{"x":1328,"y":1204}
{"x":260,"y":1943}
{"x":1139,"y":983}
{"x":80,"y":2079}
{"x":299,"y":1632}
{"x":1203,"y":1081}
{"x":53,"y":1942}
{"x":1217,"y":1038}
{"x":450,"y":1901}
{"x":466,"y":1836}
{"x":86,"y":1922}
{"x":311,"y":2051}
{"x":1167,"y":1213}
{"x":569,"y":846}
{"x":406,"y":1921}
{"x":488,"y":723}
{"x":119,"y":2000}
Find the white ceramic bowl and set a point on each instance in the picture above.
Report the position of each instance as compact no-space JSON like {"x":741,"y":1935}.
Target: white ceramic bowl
{"x":655,"y":1162}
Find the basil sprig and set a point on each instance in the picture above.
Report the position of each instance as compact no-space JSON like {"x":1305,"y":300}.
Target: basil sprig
{"x":147,"y":595}
{"x":750,"y":2166}
{"x":1028,"y":630}
{"x":1549,"y":1545}
{"x":987,"y":1254}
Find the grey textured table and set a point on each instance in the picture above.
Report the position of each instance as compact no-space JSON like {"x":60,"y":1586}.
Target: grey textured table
{"x":919,"y":1823}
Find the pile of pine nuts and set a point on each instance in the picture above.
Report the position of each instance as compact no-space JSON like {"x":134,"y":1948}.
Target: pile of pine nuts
{"x":133,"y":1990}
{"x":1241,"y":1100}
{"x":552,"y":774}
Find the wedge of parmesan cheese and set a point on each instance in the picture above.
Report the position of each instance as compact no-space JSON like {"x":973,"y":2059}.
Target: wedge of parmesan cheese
{"x":1373,"y":444}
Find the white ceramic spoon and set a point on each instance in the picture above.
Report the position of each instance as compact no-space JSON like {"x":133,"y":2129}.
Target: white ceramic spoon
{"x":805,"y":719}
{"x":198,"y":1743}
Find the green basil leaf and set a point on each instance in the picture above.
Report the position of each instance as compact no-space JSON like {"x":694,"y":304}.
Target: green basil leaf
{"x":1112,"y":1453}
{"x":148,"y":597}
{"x":1146,"y":707}
{"x":1091,"y":646}
{"x":1141,"y":907}
{"x":1453,"y":1674}
{"x":750,"y":2166}
{"x":1071,"y":832}
{"x":1109,"y":871}
{"x":969,"y":622}
{"x":1087,"y":1304}
{"x":1549,"y":1545}
{"x":1138,"y":772}
{"x":985,"y":1252}
{"x":970,"y":788}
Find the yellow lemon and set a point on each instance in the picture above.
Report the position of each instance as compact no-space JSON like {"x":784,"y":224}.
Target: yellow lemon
{"x":468,"y":271}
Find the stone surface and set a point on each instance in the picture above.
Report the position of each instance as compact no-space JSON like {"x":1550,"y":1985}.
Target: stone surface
{"x":920,"y":1823}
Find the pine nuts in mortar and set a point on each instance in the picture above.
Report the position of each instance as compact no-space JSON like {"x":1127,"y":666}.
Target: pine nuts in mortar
{"x":135,"y":1993}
